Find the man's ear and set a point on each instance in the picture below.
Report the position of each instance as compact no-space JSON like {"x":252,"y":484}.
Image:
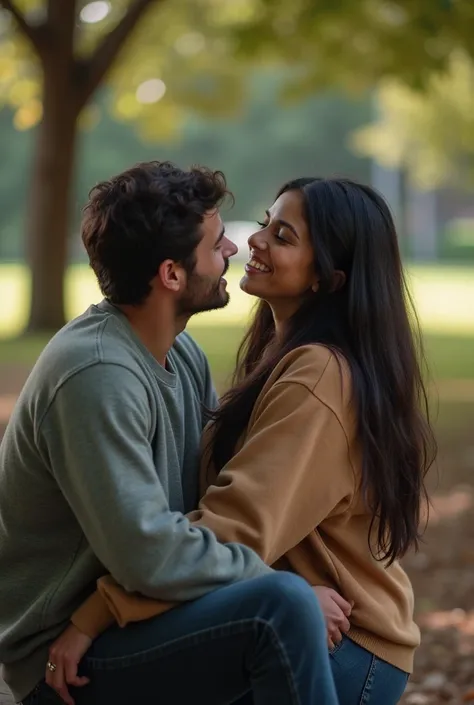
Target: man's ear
{"x":339,"y":279}
{"x":172,"y":275}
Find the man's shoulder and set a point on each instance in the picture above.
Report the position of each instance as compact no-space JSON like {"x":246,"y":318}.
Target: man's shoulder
{"x":93,"y":337}
{"x":185,"y":342}
{"x":190,"y":352}
{"x":193,"y":368}
{"x":94,"y":340}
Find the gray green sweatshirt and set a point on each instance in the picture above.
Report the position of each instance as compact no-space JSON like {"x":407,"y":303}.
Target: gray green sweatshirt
{"x":97,"y":466}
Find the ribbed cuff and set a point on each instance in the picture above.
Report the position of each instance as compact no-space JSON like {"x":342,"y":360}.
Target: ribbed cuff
{"x":94,"y":616}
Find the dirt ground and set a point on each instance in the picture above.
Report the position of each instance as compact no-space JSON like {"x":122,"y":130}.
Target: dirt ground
{"x":442,"y":571}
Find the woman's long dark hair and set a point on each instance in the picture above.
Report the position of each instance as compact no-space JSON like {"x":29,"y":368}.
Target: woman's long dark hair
{"x":371,"y":322}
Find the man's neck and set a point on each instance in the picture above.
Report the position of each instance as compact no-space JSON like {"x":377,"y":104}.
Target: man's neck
{"x":156,"y":329}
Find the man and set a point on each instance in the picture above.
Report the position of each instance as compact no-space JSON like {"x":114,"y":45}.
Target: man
{"x":99,"y":464}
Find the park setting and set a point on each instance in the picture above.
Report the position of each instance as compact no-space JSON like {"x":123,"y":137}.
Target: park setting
{"x":380,"y":91}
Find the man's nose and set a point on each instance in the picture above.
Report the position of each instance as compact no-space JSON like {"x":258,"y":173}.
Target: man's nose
{"x":230,"y":248}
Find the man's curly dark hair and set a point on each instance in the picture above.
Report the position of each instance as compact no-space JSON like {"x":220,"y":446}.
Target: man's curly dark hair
{"x":143,"y":216}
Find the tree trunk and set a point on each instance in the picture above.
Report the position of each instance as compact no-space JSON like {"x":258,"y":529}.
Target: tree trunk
{"x":52,"y":172}
{"x":49,"y":208}
{"x":67,"y":86}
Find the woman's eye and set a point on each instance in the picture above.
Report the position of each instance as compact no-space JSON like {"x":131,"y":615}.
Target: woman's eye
{"x":278,"y":235}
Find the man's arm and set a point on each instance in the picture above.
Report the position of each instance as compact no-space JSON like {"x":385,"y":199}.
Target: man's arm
{"x":95,"y":437}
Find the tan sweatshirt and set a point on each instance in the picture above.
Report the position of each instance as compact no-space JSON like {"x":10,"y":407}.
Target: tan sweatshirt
{"x":292,"y":493}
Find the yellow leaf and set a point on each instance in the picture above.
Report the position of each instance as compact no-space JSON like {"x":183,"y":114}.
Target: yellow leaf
{"x":89,"y":117}
{"x":27,"y":116}
{"x":127,"y":107}
{"x":23,"y":91}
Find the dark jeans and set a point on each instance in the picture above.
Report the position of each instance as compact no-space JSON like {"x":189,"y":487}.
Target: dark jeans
{"x":264,"y":636}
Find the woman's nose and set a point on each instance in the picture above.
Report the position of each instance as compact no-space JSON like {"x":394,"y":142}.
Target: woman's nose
{"x":257,"y":241}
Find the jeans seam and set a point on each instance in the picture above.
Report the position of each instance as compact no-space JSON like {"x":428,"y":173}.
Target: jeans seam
{"x":284,"y":660}
{"x":141,"y":657}
{"x":364,"y":698}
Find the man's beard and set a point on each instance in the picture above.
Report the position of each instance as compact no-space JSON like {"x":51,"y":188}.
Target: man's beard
{"x":203,"y":294}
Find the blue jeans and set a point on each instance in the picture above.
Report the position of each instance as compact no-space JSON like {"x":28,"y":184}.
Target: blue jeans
{"x":360,"y":677}
{"x":363,"y":679}
{"x":265,"y":637}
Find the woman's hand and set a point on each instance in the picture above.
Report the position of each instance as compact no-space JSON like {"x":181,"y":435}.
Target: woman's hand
{"x":65,"y":654}
{"x":336,"y":611}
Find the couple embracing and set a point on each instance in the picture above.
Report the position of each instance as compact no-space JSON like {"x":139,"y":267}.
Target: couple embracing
{"x":157,"y":545}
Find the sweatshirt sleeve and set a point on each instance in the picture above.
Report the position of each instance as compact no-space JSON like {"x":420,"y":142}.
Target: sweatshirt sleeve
{"x":96,"y":438}
{"x":292,"y":472}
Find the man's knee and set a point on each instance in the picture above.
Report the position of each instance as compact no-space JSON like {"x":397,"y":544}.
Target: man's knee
{"x":290,"y":593}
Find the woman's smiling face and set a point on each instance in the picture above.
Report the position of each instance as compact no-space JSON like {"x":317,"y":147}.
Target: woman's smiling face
{"x":281,"y":266}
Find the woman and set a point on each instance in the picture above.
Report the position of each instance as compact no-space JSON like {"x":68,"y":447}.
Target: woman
{"x":318,"y":453}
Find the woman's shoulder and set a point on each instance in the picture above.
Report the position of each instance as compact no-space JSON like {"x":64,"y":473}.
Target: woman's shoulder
{"x":324,"y":371}
{"x":310,"y":364}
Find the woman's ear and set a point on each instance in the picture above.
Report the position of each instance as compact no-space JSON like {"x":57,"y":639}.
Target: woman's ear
{"x":338,"y":280}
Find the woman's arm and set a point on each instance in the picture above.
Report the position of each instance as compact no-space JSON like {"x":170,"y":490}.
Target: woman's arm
{"x":292,"y":472}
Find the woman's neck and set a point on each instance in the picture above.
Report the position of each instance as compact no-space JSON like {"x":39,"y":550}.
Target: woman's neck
{"x":280,"y":319}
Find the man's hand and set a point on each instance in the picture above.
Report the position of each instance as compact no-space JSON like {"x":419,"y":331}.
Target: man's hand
{"x":336,"y":611}
{"x":65,"y":653}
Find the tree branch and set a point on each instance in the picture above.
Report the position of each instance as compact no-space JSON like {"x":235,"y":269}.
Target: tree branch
{"x":93,"y":70}
{"x":35,"y":35}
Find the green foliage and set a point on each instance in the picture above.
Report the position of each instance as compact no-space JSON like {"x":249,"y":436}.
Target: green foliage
{"x":308,"y":138}
{"x":203,"y":49}
{"x":181,"y":43}
{"x":15,"y":149}
{"x":458,"y":244}
{"x":430,"y":134}
{"x":189,"y":56}
{"x":358,"y":41}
